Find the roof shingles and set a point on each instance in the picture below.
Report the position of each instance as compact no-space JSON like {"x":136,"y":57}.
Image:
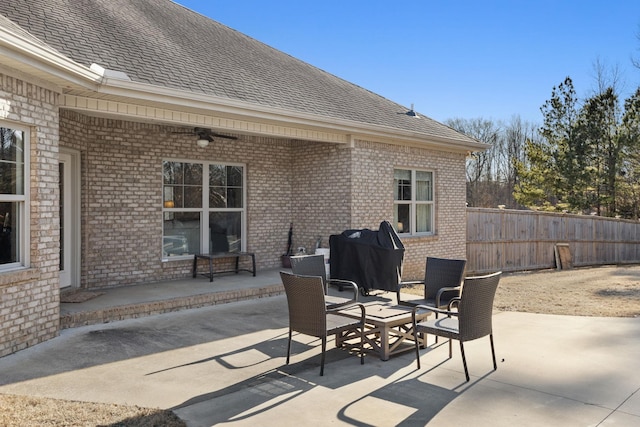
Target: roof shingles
{"x":160,"y":42}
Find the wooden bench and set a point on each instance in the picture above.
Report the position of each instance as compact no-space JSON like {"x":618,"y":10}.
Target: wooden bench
{"x":219,"y":255}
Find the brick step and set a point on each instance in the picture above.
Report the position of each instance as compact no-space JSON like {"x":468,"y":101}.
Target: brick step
{"x":142,"y":309}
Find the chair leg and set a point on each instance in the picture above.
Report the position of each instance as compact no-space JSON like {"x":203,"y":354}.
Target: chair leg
{"x":450,"y":347}
{"x":362,"y":344}
{"x":464,"y":361}
{"x":289,"y":347}
{"x":437,"y":338}
{"x":493,"y":353}
{"x":324,"y":348}
{"x":415,"y":338}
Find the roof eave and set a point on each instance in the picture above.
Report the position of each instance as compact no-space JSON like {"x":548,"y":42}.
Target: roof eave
{"x":231,"y":107}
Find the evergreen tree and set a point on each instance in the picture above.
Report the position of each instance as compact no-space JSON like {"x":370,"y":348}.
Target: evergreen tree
{"x":603,"y":146}
{"x":587,"y":160}
{"x":628,"y":180}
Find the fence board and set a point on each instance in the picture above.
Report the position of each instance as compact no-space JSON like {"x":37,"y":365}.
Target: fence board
{"x":512,"y":240}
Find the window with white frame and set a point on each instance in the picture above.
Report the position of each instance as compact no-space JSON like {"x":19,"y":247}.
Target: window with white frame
{"x":203,"y":208}
{"x":413,"y":210}
{"x":13,"y":195}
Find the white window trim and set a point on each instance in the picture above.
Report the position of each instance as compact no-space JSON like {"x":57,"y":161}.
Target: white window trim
{"x":413,"y":203}
{"x":204,"y":217}
{"x":24,"y":255}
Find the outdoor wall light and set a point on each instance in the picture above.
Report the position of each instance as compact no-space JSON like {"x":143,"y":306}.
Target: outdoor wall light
{"x":202,"y":142}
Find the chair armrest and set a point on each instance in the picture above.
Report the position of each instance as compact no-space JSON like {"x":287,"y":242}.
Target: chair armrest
{"x":411,"y":282}
{"x":443,"y":290}
{"x":347,"y":283}
{"x":432,"y":309}
{"x":341,"y":305}
{"x":454,"y":301}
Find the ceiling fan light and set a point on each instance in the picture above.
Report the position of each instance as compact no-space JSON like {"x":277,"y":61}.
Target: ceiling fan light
{"x":202,"y":142}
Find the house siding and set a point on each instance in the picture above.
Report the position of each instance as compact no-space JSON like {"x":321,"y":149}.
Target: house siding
{"x":29,"y":313}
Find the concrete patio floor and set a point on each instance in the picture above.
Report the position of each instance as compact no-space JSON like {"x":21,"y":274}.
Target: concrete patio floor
{"x":224,"y":364}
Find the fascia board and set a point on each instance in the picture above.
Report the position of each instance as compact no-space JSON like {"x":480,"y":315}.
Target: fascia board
{"x":34,"y":56}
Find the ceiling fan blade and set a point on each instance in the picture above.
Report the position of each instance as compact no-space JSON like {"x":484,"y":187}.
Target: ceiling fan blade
{"x":204,"y":133}
{"x":217,"y":135}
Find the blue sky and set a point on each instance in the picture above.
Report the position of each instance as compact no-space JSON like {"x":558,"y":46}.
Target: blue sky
{"x":468,"y":59}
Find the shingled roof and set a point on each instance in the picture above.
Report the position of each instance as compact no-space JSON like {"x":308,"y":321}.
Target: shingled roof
{"x":162,"y":43}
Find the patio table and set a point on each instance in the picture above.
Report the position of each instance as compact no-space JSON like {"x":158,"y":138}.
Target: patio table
{"x":388,"y":328}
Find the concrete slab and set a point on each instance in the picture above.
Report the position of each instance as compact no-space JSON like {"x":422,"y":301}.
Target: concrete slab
{"x":225,"y":364}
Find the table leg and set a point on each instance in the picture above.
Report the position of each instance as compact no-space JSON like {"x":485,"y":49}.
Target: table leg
{"x":384,"y":343}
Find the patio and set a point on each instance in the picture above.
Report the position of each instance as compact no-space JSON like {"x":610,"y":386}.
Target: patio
{"x":225,"y":364}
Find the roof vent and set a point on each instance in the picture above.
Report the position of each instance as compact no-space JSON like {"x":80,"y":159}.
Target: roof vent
{"x":411,"y":112}
{"x":107,"y":73}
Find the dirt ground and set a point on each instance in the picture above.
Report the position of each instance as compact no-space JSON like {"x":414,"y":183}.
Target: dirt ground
{"x":608,"y":291}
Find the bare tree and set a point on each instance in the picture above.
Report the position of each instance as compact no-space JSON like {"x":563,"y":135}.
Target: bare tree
{"x":481,"y":166}
{"x":491,"y":175}
{"x":606,"y":77}
{"x":516,"y":134}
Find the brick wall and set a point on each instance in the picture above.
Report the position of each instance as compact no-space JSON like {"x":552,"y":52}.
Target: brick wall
{"x":29,"y":298}
{"x":335,"y":188}
{"x":373,"y":198}
{"x":122,"y":195}
{"x":322,"y":188}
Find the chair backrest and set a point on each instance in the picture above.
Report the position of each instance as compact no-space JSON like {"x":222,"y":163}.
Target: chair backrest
{"x":442,"y":273}
{"x":476,"y":306}
{"x":307,"y":308}
{"x":310,"y":265}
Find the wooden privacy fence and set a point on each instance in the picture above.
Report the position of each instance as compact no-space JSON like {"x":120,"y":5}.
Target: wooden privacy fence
{"x":513,"y":240}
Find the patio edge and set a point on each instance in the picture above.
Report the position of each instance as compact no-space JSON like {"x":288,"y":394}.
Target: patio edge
{"x":132,"y":311}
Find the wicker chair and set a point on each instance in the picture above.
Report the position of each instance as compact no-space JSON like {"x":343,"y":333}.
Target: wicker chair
{"x":313,"y":265}
{"x":472,"y":320}
{"x":442,"y":280}
{"x":309,"y":315}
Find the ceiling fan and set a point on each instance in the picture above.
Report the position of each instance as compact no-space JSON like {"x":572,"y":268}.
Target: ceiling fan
{"x":205,"y":135}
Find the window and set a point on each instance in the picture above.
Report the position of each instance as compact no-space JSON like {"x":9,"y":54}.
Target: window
{"x":203,"y":208}
{"x":13,"y":196}
{"x":413,"y":201}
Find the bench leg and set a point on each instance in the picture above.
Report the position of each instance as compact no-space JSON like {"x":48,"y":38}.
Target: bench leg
{"x":195,"y":266}
{"x":253,"y":261}
{"x":211,"y":269}
{"x":237,"y":260}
